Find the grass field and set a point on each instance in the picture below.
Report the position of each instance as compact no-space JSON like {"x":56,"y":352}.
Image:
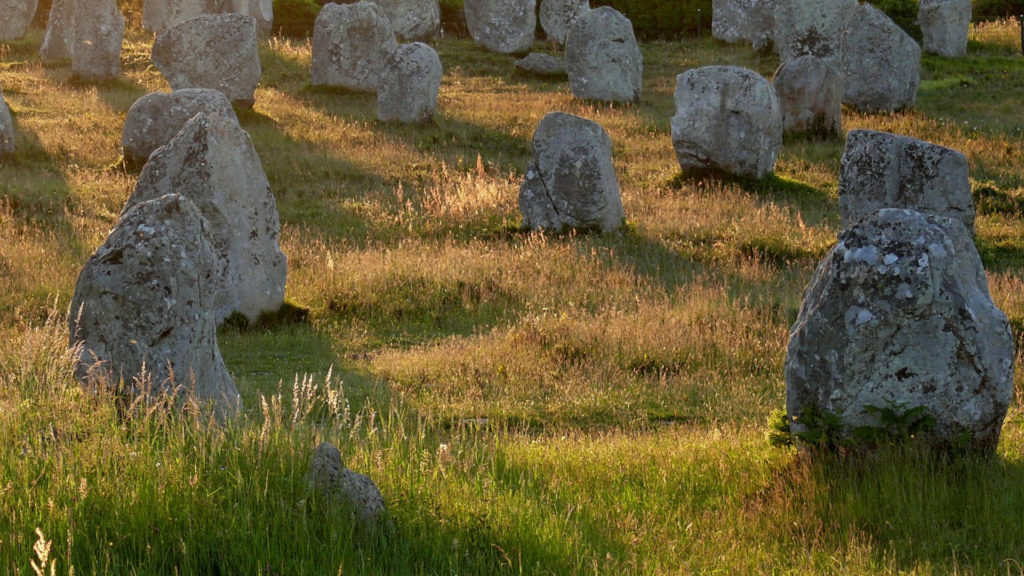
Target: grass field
{"x":527,"y":403}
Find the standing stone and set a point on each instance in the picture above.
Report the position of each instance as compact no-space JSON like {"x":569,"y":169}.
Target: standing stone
{"x":98,"y":34}
{"x":59,"y":35}
{"x":6,"y":128}
{"x":351,"y":43}
{"x":557,"y":16}
{"x":882,"y":170}
{"x":337,"y":485}
{"x":812,"y":27}
{"x":810,"y":91}
{"x":727,"y":118}
{"x":751,"y":21}
{"x":898,"y":317}
{"x":602,"y":57}
{"x":503,"y":26}
{"x":944,"y":26}
{"x":15,"y":17}
{"x":409,"y":84}
{"x":158,"y":15}
{"x":142,"y":305}
{"x":216,"y":51}
{"x":157,"y":117}
{"x":881,"y":63}
{"x":571,"y":182}
{"x":261,"y":10}
{"x":413,"y":20}
{"x":213,"y":163}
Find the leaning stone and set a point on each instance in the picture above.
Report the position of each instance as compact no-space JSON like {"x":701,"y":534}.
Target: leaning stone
{"x":158,"y":15}
{"x":882,"y":170}
{"x":213,"y":163}
{"x":15,"y":17}
{"x":556,"y":16}
{"x":571,"y":182}
{"x":602,"y":57}
{"x":503,"y":26}
{"x":158,"y":116}
{"x":98,"y":34}
{"x":141,"y":311}
{"x":261,"y":10}
{"x":59,"y":32}
{"x":812,"y":27}
{"x":898,"y":317}
{"x":750,"y":21}
{"x":217,"y":51}
{"x":6,"y":128}
{"x":728,"y":119}
{"x":810,"y":91}
{"x":356,"y":493}
{"x":543,"y":65}
{"x":413,"y":20}
{"x":351,"y":43}
{"x":944,"y":26}
{"x":881,"y":63}
{"x":409,"y":84}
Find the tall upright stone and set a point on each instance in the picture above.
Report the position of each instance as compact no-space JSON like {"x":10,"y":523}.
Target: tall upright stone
{"x":812,"y":27}
{"x":410,"y":83}
{"x":413,"y":20}
{"x":59,"y":35}
{"x":261,"y":10}
{"x":15,"y":17}
{"x":602,"y":57}
{"x":98,"y":35}
{"x":810,"y":91}
{"x":944,"y":26}
{"x":351,"y":43}
{"x":880,"y":62}
{"x":750,"y":21}
{"x":503,"y":26}
{"x":557,"y":16}
{"x":158,"y":15}
{"x":6,"y":128}
{"x":157,"y":117}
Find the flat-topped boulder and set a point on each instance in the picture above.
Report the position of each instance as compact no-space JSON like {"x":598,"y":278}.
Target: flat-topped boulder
{"x":212,"y":162}
{"x":880,"y":62}
{"x":810,"y":91}
{"x":413,"y":20}
{"x":503,"y":26}
{"x":217,"y":51}
{"x":15,"y":17}
{"x":409,"y":84}
{"x":542,"y":65}
{"x":557,"y":16}
{"x":158,"y":15}
{"x":157,"y":117}
{"x":571,"y":182}
{"x":602,"y":57}
{"x":59,"y":34}
{"x":141,"y":314}
{"x":898,"y":319}
{"x":97,"y":37}
{"x":883,"y":170}
{"x":749,"y":21}
{"x":812,"y":27}
{"x":351,"y":44}
{"x":727,"y":119}
{"x":6,"y":128}
{"x":944,"y":26}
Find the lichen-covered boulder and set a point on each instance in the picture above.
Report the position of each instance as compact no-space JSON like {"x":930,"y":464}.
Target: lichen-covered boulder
{"x":409,"y":84}
{"x":603,"y":58}
{"x":157,"y":117}
{"x":261,"y":10}
{"x":98,"y":34}
{"x":542,"y":65}
{"x":571,"y":182}
{"x":727,"y":119}
{"x":351,"y":43}
{"x":413,"y":20}
{"x":881,"y":63}
{"x":812,"y":27}
{"x":883,"y":170}
{"x":15,"y":17}
{"x":898,"y":318}
{"x":336,"y":485}
{"x":6,"y":128}
{"x":944,"y":26}
{"x":750,"y":21}
{"x":217,"y":51}
{"x":503,"y":26}
{"x":141,"y":312}
{"x":810,"y":91}
{"x":59,"y":32}
{"x":557,"y":16}
{"x":213,"y":163}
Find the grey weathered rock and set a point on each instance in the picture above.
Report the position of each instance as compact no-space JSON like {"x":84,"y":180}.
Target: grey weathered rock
{"x":96,"y":46}
{"x":503,"y":26}
{"x":882,"y":170}
{"x":15,"y":17}
{"x":158,"y":116}
{"x":142,"y":304}
{"x":544,"y":65}
{"x":351,"y":43}
{"x":217,"y":51}
{"x":59,"y":32}
{"x":750,"y":21}
{"x":158,"y":15}
{"x":337,"y":485}
{"x":880,"y":62}
{"x":261,"y":10}
{"x":6,"y":128}
{"x":571,"y":182}
{"x":413,"y":19}
{"x":409,"y":84}
{"x":727,"y":118}
{"x":810,"y":91}
{"x":812,"y":27}
{"x":898,"y":317}
{"x":602,"y":57}
{"x":213,"y":163}
{"x":944,"y":26}
{"x":556,"y":16}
